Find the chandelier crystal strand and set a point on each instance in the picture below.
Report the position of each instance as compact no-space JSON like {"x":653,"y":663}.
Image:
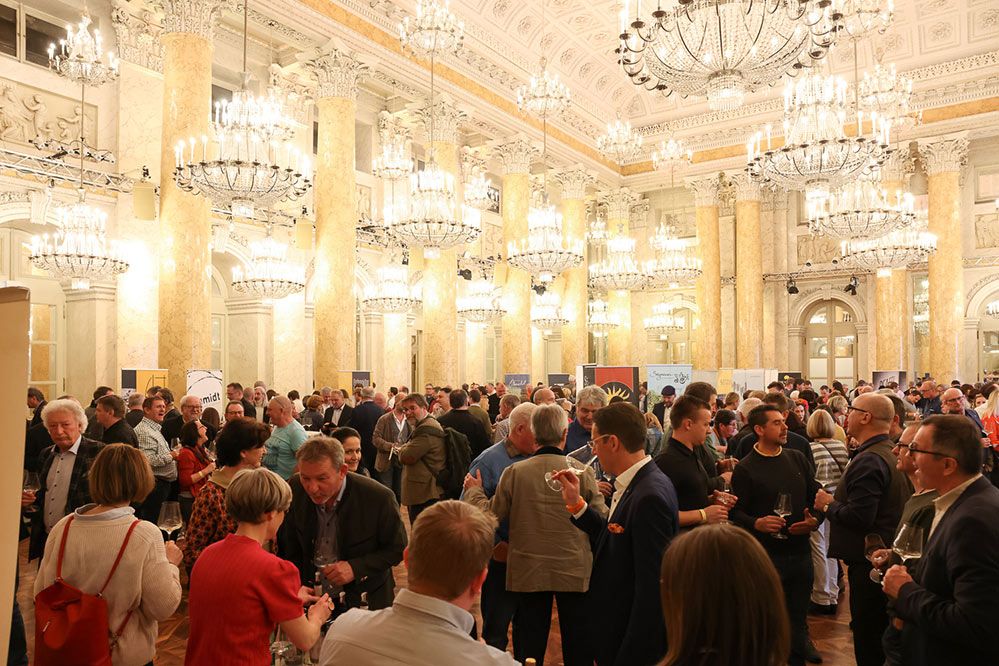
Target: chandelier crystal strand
{"x":888,"y":94}
{"x":600,"y":320}
{"x":675,"y":263}
{"x":670,"y":155}
{"x":620,"y":144}
{"x":860,"y":18}
{"x":619,"y":271}
{"x":269,"y":275}
{"x":391,"y":292}
{"x":481,"y":303}
{"x":860,"y":209}
{"x":544,"y":95}
{"x":80,"y":57}
{"x":477,"y":186}
{"x":896,"y":249}
{"x":663,"y":321}
{"x":723,"y":49}
{"x":546,"y":313}
{"x":394,"y":162}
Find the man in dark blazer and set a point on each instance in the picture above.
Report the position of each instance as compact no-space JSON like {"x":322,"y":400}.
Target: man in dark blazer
{"x":70,"y":457}
{"x":948,"y":602}
{"x":347,"y":517}
{"x":628,"y":546}
{"x":110,"y":413}
{"x":363,"y":419}
{"x":338,"y":414}
{"x":36,"y":403}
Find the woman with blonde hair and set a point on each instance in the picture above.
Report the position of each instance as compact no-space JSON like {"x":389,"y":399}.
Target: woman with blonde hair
{"x":831,"y":457}
{"x":654,"y":434}
{"x":990,"y":417}
{"x":697,"y":603}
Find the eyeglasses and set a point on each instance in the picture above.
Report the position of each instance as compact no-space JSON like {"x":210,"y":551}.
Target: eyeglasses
{"x":913,"y":449}
{"x":593,"y":441}
{"x":851,"y":408}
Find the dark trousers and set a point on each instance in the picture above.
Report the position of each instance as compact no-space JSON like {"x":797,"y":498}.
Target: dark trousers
{"x":891,"y":643}
{"x":498,"y":606}
{"x":532,"y":622}
{"x":150,"y":508}
{"x":868,"y":615}
{"x":17,"y":647}
{"x":415,"y":509}
{"x":391,"y":479}
{"x":186,"y":507}
{"x":795,"y":571}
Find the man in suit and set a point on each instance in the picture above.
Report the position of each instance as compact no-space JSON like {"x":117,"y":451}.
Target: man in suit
{"x":36,"y":403}
{"x":947,"y":602}
{"x":344,"y":517}
{"x":391,"y":430}
{"x":64,"y":470}
{"x":337,"y":414}
{"x":628,"y":546}
{"x":363,"y":419}
{"x":422,"y":457}
{"x":661,"y":409}
{"x":110,"y":412}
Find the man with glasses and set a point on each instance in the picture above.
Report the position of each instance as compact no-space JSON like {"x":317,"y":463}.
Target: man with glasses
{"x":948,"y":603}
{"x":929,"y":403}
{"x":869,"y":499}
{"x":952,"y":401}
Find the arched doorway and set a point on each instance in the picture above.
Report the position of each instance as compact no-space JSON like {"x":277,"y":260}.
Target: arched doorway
{"x":988,"y":335}
{"x":830,"y":349}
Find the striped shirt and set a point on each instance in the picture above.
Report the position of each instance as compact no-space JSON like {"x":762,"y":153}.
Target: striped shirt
{"x":829,"y":451}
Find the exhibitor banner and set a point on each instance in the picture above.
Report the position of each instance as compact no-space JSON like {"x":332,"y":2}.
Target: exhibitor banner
{"x":675,"y":375}
{"x":207,"y":385}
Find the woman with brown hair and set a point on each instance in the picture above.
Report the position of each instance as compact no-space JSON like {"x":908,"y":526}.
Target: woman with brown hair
{"x":697,"y":603}
{"x":194,"y":465}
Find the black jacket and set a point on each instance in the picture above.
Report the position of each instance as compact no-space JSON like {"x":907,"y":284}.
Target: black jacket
{"x":370,"y":537}
{"x":465,"y":422}
{"x":79,"y":490}
{"x":363,"y":420}
{"x":121,"y":432}
{"x":134,"y":417}
{"x":345,"y":414}
{"x":36,"y":440}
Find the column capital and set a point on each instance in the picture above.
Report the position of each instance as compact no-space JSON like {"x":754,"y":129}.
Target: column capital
{"x":706,"y":190}
{"x":446,"y":116}
{"x":472,"y":162}
{"x":574,"y":180}
{"x":138,"y":36}
{"x":516,"y":153}
{"x":774,"y":198}
{"x":619,"y":202}
{"x":898,"y":167}
{"x":746,"y":188}
{"x":943,"y":155}
{"x":337,"y":71}
{"x":192,"y":17}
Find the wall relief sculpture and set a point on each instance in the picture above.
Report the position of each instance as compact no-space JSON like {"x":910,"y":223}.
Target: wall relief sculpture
{"x":27,"y":113}
{"x":987,"y":231}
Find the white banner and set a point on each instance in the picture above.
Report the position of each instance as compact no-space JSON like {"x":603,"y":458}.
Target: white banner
{"x":677,"y":376}
{"x":207,"y":385}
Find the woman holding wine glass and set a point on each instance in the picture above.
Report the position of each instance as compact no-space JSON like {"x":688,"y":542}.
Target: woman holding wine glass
{"x":194,"y":464}
{"x":831,"y":458}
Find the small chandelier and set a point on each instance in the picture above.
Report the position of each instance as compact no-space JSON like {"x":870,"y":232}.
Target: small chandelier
{"x":860,"y":209}
{"x":896,"y":249}
{"x":817,"y":155}
{"x":391,"y":292}
{"x":663,"y":321}
{"x":477,"y":190}
{"x":544,"y":95}
{"x":79,"y":57}
{"x":545,"y":253}
{"x":79,"y":251}
{"x":433,"y":30}
{"x":546,"y":313}
{"x":921,"y":322}
{"x":674,"y":263}
{"x":269,"y":275}
{"x":601,"y":321}
{"x":481,"y":304}
{"x":620,"y":143}
{"x":394,"y":162}
{"x":887,"y":94}
{"x":671,"y":154}
{"x":858,"y":18}
{"x":619,"y":271}
{"x":992,"y":310}
{"x":597,"y":233}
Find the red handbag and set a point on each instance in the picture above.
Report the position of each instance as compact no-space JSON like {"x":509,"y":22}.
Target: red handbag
{"x":71,"y":626}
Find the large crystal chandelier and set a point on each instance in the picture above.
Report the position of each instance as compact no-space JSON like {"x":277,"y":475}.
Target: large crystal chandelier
{"x":601,"y":321}
{"x":546,"y":313}
{"x":248,"y":161}
{"x":433,"y":30}
{"x":992,"y":310}
{"x":722,"y":49}
{"x":674,"y":262}
{"x":477,"y":185}
{"x":80,"y":58}
{"x":817,"y":155}
{"x":597,"y":233}
{"x":663,"y":321}
{"x":269,"y":275}
{"x":391,"y":293}
{"x":481,"y":303}
{"x":860,"y":209}
{"x":620,"y":143}
{"x":858,"y":18}
{"x":896,"y":249}
{"x":544,"y":253}
{"x":394,"y":161}
{"x":619,"y":271}
{"x":544,"y":95}
{"x":887,"y":94}
{"x":670,"y":155}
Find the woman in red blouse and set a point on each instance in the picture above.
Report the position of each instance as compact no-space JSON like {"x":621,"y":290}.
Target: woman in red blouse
{"x":239,"y":446}
{"x":193,"y":464}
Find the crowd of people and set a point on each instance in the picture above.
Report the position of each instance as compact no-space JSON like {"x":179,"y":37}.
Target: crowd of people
{"x":691,"y":529}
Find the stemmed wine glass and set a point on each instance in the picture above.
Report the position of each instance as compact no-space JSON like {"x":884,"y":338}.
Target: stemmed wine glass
{"x":577,"y":462}
{"x":175,"y":444}
{"x":31,"y":486}
{"x":170,"y":519}
{"x":872,"y":544}
{"x":782,"y":507}
{"x":909,"y":543}
{"x":211,"y":451}
{"x":282,"y":648}
{"x":322,"y":558}
{"x":824,"y":474}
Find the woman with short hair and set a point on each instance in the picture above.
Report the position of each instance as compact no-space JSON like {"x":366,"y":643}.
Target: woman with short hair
{"x":831,"y":459}
{"x":145,"y":586}
{"x":237,"y":578}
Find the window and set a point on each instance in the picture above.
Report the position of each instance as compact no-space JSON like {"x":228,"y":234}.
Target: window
{"x":8,"y":31}
{"x":38,"y":35}
{"x":830,"y":343}
{"x":42,"y":351}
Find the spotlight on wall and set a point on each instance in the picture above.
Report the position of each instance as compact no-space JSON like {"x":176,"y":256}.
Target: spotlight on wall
{"x":851,"y":287}
{"x":539,"y":289}
{"x":792,"y":287}
{"x":465,"y":273}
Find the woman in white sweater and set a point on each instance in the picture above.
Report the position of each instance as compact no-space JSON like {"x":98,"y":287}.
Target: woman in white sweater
{"x":146,"y":582}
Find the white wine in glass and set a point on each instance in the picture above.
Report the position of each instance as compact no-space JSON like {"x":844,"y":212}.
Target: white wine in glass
{"x":577,"y":462}
{"x":31,"y":485}
{"x":170,"y":520}
{"x":782,"y":507}
{"x":909,"y":543}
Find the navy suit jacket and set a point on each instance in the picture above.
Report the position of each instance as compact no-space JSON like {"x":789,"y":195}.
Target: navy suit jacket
{"x":624,"y":586}
{"x":951,"y":609}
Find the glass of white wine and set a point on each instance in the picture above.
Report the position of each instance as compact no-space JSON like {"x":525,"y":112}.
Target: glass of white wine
{"x":782,"y":507}
{"x":31,"y":486}
{"x":577,"y":462}
{"x":909,"y":543}
{"x":170,"y":520}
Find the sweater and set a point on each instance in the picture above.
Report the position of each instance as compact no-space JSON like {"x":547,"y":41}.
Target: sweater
{"x":144,"y":580}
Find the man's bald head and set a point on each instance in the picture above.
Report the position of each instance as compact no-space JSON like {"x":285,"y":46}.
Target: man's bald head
{"x":870,"y":415}
{"x":952,"y":401}
{"x":928,"y":389}
{"x":544,"y":396}
{"x":877,"y":405}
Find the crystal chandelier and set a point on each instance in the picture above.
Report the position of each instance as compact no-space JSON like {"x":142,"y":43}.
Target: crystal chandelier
{"x":992,"y":310}
{"x":601,"y":320}
{"x":544,"y":253}
{"x":269,"y":275}
{"x":394,"y":162}
{"x":248,"y":162}
{"x":860,"y":209}
{"x":858,"y":18}
{"x":620,"y":143}
{"x":723,"y":49}
{"x":391,"y":292}
{"x":887,"y":94}
{"x":663,"y":321}
{"x":546,"y":313}
{"x":671,"y":154}
{"x":544,"y":95}
{"x":433,"y":30}
{"x":619,"y":271}
{"x":79,"y":57}
{"x":477,"y":190}
{"x":921,"y":322}
{"x":597,"y":233}
{"x":481,"y":304}
{"x":896,"y":249}
{"x":674,"y":263}
{"x":816,"y":154}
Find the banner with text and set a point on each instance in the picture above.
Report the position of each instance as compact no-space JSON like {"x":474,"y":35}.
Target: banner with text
{"x":207,"y":385}
{"x":675,"y":375}
{"x":516,"y":382}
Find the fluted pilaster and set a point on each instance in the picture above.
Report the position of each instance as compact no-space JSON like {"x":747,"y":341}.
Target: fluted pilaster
{"x":707,"y":345}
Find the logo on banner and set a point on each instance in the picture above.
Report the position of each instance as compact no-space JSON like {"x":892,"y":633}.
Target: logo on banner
{"x":618,"y":389}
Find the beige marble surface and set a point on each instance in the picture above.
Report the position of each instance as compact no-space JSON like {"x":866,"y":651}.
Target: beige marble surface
{"x":748,"y":285}
{"x":707,"y":345}
{"x":574,"y":351}
{"x":516,"y":324}
{"x":946,"y":276}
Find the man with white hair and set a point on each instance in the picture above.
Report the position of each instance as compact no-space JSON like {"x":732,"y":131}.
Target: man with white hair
{"x":589,"y":400}
{"x":64,"y":470}
{"x":190,"y":410}
{"x":286,"y":438}
{"x":952,"y":401}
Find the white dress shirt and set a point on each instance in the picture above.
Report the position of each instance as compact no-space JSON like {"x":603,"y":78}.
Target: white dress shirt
{"x":57,"y":483}
{"x":946,"y":501}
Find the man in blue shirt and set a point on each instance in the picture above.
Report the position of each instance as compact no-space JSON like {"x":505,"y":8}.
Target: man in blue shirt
{"x":497,"y":604}
{"x":929,"y":404}
{"x":589,"y":400}
{"x":286,"y":438}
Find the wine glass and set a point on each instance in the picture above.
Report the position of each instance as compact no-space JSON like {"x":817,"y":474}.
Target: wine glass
{"x":577,"y":462}
{"x":909,"y":543}
{"x":782,"y":507}
{"x":872,"y":544}
{"x":211,"y":451}
{"x":175,"y":445}
{"x":169,"y":520}
{"x":282,"y":648}
{"x":31,"y":485}
{"x":824,"y":473}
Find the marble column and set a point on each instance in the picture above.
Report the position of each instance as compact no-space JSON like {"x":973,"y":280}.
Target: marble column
{"x":250,"y":341}
{"x":396,"y":364}
{"x":619,"y":203}
{"x":90,"y":317}
{"x":336,"y":236}
{"x":185,"y":339}
{"x":943,"y":160}
{"x":748,"y":273}
{"x":891,"y":287}
{"x":516,"y":155}
{"x":574,"y":181}
{"x":707,"y":348}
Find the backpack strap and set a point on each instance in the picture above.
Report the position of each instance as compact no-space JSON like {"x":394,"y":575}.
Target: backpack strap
{"x":121,"y":551}
{"x":62,"y":546}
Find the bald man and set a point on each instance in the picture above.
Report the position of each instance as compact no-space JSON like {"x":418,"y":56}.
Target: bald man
{"x":869,"y":500}
{"x":286,"y":438}
{"x":952,"y":401}
{"x":543,"y":396}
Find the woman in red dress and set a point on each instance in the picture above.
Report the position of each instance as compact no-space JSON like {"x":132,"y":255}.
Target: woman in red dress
{"x":193,"y":464}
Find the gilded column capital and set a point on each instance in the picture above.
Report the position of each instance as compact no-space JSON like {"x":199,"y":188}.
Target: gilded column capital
{"x":774,"y":198}
{"x":746,"y":188}
{"x":337,"y":71}
{"x":944,"y":155}
{"x":898,"y":167}
{"x":706,"y":190}
{"x":619,"y":202}
{"x":447,"y":118}
{"x":191,"y":17}
{"x":138,"y":36}
{"x":516,"y":154}
{"x":574,"y":180}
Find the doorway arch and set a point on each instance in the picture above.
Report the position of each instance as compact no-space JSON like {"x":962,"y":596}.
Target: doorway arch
{"x":831,"y":342}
